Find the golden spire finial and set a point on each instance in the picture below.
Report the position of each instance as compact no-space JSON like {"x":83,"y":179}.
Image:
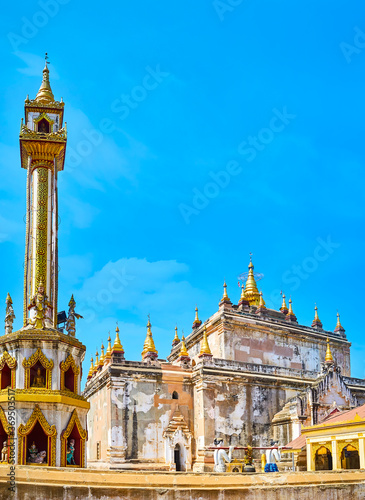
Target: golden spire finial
{"x":91,"y":371}
{"x":242,"y":291}
{"x":251,"y":290}
{"x":149,"y":345}
{"x":176,"y":338}
{"x":316,"y":322}
{"x":183,"y":351}
{"x":204,"y":346}
{"x":45,"y":94}
{"x":262,"y":302}
{"x":196,"y":313}
{"x":117,"y":346}
{"x":197,"y":321}
{"x":96,"y":361}
{"x":284,"y":308}
{"x":339,"y":327}
{"x":328,"y":358}
{"x":290,"y":315}
{"x":8,"y":299}
{"x":108,"y":354}
{"x":102,"y":356}
{"x":225,"y":298}
{"x":338,"y":319}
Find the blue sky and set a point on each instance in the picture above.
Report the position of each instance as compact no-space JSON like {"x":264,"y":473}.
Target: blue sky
{"x":198,"y":132}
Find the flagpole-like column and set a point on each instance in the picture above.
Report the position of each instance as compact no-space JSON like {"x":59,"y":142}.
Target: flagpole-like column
{"x":42,"y":146}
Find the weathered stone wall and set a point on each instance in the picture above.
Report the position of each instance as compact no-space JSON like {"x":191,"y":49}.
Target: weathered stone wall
{"x":240,"y":411}
{"x":57,"y":484}
{"x":278,"y":347}
{"x":141,"y":407}
{"x":99,"y":428}
{"x":237,"y":336}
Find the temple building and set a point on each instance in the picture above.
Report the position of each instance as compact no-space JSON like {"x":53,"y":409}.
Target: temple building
{"x":248,"y":375}
{"x":40,"y":364}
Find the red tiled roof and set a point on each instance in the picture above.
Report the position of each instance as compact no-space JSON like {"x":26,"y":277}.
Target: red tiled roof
{"x":297,"y":443}
{"x":345,"y":416}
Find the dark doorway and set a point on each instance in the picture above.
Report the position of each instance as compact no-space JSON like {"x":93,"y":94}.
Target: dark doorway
{"x":177,"y":458}
{"x":40,"y":440}
{"x":70,"y":380}
{"x":323,"y":459}
{"x":5,"y":377}
{"x":350,"y":458}
{"x":75,"y":435}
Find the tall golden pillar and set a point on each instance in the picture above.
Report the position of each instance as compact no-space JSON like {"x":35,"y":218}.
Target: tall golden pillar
{"x":42,"y":148}
{"x":44,"y":420}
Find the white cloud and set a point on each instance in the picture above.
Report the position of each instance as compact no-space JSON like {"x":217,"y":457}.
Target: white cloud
{"x":135,"y":287}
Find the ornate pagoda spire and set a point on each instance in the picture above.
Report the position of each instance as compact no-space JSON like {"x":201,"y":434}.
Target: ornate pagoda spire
{"x":96,"y":366}
{"x":108,"y":354}
{"x":291,"y":316}
{"x":45,"y":94}
{"x":284,"y":308}
{"x":197,"y":321}
{"x":117,"y":346}
{"x":102,"y":357}
{"x":176,"y":339}
{"x":328,"y":359}
{"x":243,"y":301}
{"x":225,"y":299}
{"x":9,"y":315}
{"x":262,"y":307}
{"x":317,"y":323}
{"x":183,"y":351}
{"x":339,"y":328}
{"x":91,"y":371}
{"x":251,"y":290}
{"x":42,"y":151}
{"x":149,"y":350}
{"x":205,"y":351}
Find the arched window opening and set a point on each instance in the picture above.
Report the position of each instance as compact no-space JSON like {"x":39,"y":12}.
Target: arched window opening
{"x":5,"y":377}
{"x":323,"y":459}
{"x":73,"y":449}
{"x":37,"y":446}
{"x":350,"y":458}
{"x":175,"y":395}
{"x":70,"y":380}
{"x":177,"y":457}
